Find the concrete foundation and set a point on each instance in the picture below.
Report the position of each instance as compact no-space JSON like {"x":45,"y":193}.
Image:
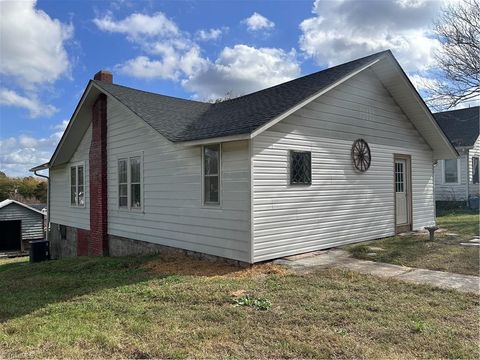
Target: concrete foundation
{"x":120,"y":246}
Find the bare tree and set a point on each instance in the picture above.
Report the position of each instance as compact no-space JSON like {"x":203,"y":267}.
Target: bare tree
{"x":458,"y":30}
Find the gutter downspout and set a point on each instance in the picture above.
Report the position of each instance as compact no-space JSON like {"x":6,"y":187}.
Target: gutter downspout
{"x":48,"y":201}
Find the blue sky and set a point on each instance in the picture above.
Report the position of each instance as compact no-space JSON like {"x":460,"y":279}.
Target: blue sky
{"x":190,"y":49}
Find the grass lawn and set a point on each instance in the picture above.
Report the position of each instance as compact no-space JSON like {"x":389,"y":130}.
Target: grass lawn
{"x":153,"y":307}
{"x":444,"y":254}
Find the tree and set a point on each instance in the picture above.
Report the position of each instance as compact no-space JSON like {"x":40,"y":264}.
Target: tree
{"x":458,"y":30}
{"x":40,"y":191}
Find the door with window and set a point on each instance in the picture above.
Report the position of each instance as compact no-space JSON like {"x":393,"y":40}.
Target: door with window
{"x":402,"y":178}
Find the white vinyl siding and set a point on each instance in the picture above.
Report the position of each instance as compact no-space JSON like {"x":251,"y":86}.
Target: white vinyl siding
{"x":61,"y":211}
{"x":173,"y":213}
{"x":32,"y":222}
{"x":341,"y":205}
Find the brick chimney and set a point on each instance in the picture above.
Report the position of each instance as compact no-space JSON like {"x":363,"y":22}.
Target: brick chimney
{"x":98,"y":245}
{"x":105,"y":76}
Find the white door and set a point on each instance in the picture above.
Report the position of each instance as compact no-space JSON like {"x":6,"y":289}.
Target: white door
{"x":401,"y":191}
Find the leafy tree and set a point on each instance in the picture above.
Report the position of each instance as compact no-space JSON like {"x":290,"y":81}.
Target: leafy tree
{"x":27,"y":189}
{"x":41,"y":192}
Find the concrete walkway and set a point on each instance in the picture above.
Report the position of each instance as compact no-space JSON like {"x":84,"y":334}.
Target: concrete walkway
{"x":342,"y":259}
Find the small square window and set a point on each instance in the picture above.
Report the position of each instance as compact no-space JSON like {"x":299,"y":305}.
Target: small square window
{"x":300,"y":168}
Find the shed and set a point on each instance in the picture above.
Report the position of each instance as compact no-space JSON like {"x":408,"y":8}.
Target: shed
{"x":19,"y":223}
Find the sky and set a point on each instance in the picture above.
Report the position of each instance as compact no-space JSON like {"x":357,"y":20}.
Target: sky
{"x":198,"y":50}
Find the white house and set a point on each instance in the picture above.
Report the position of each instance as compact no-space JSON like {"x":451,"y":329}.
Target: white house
{"x":456,"y":179}
{"x":339,"y":156}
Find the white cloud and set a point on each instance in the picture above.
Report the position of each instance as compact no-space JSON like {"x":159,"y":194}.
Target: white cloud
{"x":207,"y":35}
{"x":32,"y":46}
{"x":137,"y":25}
{"x":243,"y":69}
{"x":173,"y":55}
{"x":32,"y":104}
{"x":168,"y":52}
{"x":258,"y":22}
{"x":19,"y":154}
{"x":342,"y":30}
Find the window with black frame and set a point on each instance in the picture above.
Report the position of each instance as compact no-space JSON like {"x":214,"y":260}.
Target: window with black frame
{"x":300,"y":167}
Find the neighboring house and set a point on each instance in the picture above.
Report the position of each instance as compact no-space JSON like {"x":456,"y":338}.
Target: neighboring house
{"x":40,"y":207}
{"x":339,"y":156}
{"x":19,"y":224}
{"x":456,"y":179}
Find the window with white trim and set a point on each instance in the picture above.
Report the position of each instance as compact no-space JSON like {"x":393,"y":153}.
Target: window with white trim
{"x":211,"y":174}
{"x":122,"y":183}
{"x":130,"y":183}
{"x":77,"y":185}
{"x":475,"y":169}
{"x":450,"y":171}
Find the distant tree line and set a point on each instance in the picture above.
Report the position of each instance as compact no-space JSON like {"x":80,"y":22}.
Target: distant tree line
{"x":29,"y":190}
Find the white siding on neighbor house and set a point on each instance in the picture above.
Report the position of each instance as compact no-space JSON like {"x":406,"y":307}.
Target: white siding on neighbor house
{"x":341,"y":206}
{"x":61,"y":212}
{"x":451,"y":191}
{"x":173,"y":213}
{"x":32,"y":222}
{"x":474,"y":189}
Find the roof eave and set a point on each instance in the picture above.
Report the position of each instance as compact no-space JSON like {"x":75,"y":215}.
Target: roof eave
{"x":215,"y":140}
{"x":40,"y":167}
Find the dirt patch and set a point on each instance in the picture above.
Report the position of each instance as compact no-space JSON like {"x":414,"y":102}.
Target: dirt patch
{"x":184,"y":265}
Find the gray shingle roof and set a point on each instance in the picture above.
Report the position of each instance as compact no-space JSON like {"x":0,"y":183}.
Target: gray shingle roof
{"x":186,"y":120}
{"x":461,"y":126}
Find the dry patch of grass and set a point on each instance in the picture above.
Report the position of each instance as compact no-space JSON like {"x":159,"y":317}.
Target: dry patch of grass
{"x":443,"y":254}
{"x":154,"y":308}
{"x":183,"y":265}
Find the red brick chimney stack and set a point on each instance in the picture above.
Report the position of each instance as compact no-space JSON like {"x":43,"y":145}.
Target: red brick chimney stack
{"x":105,"y":76}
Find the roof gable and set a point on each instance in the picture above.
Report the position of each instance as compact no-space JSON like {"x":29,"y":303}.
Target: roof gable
{"x":182,"y":120}
{"x":188,"y":121}
{"x":461,"y":126}
{"x":5,"y":203}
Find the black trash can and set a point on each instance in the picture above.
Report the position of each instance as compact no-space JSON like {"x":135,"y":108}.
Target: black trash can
{"x":39,"y":250}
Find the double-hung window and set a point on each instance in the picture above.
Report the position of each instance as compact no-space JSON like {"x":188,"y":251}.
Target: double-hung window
{"x":211,"y":174}
{"x":450,"y":171}
{"x":130,"y":185}
{"x":475,"y":169}
{"x":77,"y":185}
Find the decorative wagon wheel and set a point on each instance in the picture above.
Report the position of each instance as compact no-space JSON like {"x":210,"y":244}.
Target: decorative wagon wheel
{"x":361,"y":155}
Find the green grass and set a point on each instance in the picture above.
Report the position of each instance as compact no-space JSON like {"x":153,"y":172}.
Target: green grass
{"x":444,"y":254}
{"x":152,"y":307}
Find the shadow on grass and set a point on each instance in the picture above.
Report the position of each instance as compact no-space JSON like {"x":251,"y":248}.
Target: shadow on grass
{"x":27,"y":287}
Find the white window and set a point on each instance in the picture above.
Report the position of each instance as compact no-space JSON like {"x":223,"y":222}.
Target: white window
{"x":77,"y":185}
{"x":130,"y":182}
{"x":475,"y":169}
{"x":451,"y":171}
{"x":211,"y":174}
